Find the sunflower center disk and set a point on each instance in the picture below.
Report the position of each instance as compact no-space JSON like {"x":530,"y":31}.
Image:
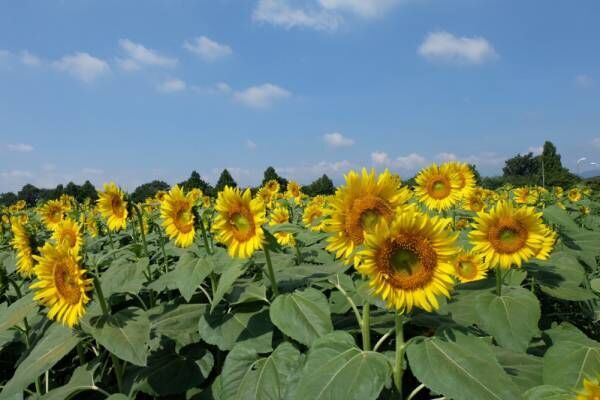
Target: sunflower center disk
{"x":405,"y":262}
{"x":66,"y":284}
{"x":117,"y":206}
{"x":364,"y":215}
{"x":467,"y":269}
{"x":508,"y":237}
{"x":183,"y":219}
{"x":408,"y":262}
{"x":439,"y":187}
{"x":243,"y":225}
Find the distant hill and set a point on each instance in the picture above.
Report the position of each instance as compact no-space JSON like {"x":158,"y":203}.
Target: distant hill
{"x":590,"y":174}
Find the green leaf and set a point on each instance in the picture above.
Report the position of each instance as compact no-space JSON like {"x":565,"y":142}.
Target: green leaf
{"x":124,"y":277}
{"x":247,"y":377}
{"x":524,"y":369}
{"x":190,"y":272}
{"x":56,"y":343}
{"x":595,"y":285}
{"x":248,"y":293}
{"x":302,"y":315}
{"x":17,"y":311}
{"x":226,"y":281}
{"x":571,"y":358}
{"x":179,"y":323}
{"x":125,"y":334}
{"x":337,"y":369}
{"x":511,"y":318}
{"x":461,"y":308}
{"x":461,"y":369}
{"x":81,"y":380}
{"x":548,"y":392}
{"x":225,"y":328}
{"x":558,"y":216}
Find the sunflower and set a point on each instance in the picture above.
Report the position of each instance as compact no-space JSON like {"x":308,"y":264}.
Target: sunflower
{"x":475,"y":203}
{"x":61,"y":285}
{"x":177,"y":216}
{"x":195,"y":194}
{"x":558,"y":192}
{"x":466,"y":178}
{"x":313,"y":217}
{"x":52,"y":213}
{"x":68,"y":233}
{"x":508,"y":235}
{"x":574,"y":195}
{"x":281,"y":215}
{"x":547,"y":244}
{"x":409,"y":260}
{"x":461,"y":224}
{"x":358,"y":206}
{"x":526,"y":195}
{"x":272,"y":186}
{"x":160,"y":195}
{"x":113,"y":207}
{"x":21,"y":242}
{"x":206,"y":201}
{"x":20,"y":205}
{"x":591,"y":389}
{"x":438,"y":187}
{"x":294,"y":191}
{"x":266,"y":196}
{"x":583,"y":210}
{"x":88,"y":220}
{"x":469,"y":267}
{"x":239,"y":221}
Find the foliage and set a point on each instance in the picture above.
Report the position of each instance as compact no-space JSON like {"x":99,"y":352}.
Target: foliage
{"x":225,"y":179}
{"x":321,"y":186}
{"x":147,"y":190}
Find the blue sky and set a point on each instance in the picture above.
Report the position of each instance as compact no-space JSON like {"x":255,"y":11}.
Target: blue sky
{"x":113,"y":90}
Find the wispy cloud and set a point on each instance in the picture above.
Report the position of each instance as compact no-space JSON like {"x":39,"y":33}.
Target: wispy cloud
{"x":138,"y":55}
{"x":261,"y":96}
{"x":410,"y":162}
{"x":280,"y":13}
{"x":20,"y":147}
{"x":596,"y":142}
{"x":250,"y":144}
{"x":207,"y":49}
{"x":30,"y":59}
{"x":584,"y":81}
{"x":82,"y":66}
{"x":336,"y":139}
{"x":445,"y":46}
{"x":171,"y":86}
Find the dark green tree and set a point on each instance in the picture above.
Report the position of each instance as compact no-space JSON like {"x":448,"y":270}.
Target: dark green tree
{"x":146,"y":190}
{"x":270,"y":174}
{"x":323,"y":186}
{"x":521,"y":165}
{"x":476,"y":174}
{"x":30,"y":194}
{"x":554,"y":174}
{"x":8,"y":198}
{"x":225,"y":180}
{"x":87,"y":190}
{"x":195,"y":181}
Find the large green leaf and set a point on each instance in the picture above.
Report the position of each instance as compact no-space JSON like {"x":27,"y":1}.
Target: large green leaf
{"x":511,"y":318}
{"x":337,"y":369}
{"x":302,"y":315}
{"x":548,"y":392}
{"x":124,"y":277}
{"x":248,"y":293}
{"x":247,"y":376}
{"x":227,"y":327}
{"x":190,"y":272}
{"x":178,"y":322}
{"x":16,"y":312}
{"x":462,"y":369}
{"x":558,"y":216}
{"x":226,"y":281}
{"x":81,"y":381}
{"x":571,"y":358}
{"x":524,"y":369}
{"x":125,"y":334}
{"x":56,"y":343}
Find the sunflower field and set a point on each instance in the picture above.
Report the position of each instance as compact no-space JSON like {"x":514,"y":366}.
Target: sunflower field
{"x":441,"y":290}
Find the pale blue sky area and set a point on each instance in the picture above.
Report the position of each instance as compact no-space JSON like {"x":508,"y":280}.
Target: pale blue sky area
{"x":132,"y":91}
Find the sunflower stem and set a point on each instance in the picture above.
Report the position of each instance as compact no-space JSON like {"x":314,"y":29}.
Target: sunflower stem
{"x":274,"y":287}
{"x":365,"y":326}
{"x":118,"y":372}
{"x":80,"y":354}
{"x":498,"y":281}
{"x":112,"y":243}
{"x":141,"y":224}
{"x":400,"y":347}
{"x":204,"y":235}
{"x":298,"y":253}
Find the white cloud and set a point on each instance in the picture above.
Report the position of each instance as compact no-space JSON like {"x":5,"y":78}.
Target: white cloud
{"x":280,"y":13}
{"x":20,"y":147}
{"x":380,"y":157}
{"x":82,"y":66}
{"x":336,"y":139}
{"x":596,"y":142}
{"x":30,"y":59}
{"x":171,"y":86}
{"x":446,"y":46}
{"x":139,"y":55}
{"x":222,"y":87}
{"x":4,"y":54}
{"x":443,"y":157}
{"x":262,"y":96}
{"x":410,"y":162}
{"x":250,"y":144}
{"x":362,"y":8}
{"x":584,"y":81}
{"x":536,"y":150}
{"x":207,"y":49}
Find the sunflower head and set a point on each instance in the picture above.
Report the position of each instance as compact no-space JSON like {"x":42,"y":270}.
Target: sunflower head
{"x":239,"y":221}
{"x":508,"y":235}
{"x":52,"y":213}
{"x":358,"y":206}
{"x":475,"y":203}
{"x":266,"y":196}
{"x":21,"y":242}
{"x":574,"y":195}
{"x":195,"y":194}
{"x":68,"y":233}
{"x":177,"y":216}
{"x":526,"y":195}
{"x":469,"y":267}
{"x":294,"y":192}
{"x":113,"y":207}
{"x":206,"y":201}
{"x":61,"y":284}
{"x":590,"y":390}
{"x":438,"y":187}
{"x":272,"y":186}
{"x":466,"y":178}
{"x":20,"y":205}
{"x":409,"y":261}
{"x":313,"y":217}
{"x":583,"y":210}
{"x":281,"y":215}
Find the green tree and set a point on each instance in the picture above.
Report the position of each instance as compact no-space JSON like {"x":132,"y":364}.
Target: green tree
{"x":195,"y":181}
{"x":554,"y":174}
{"x":225,"y":180}
{"x":271,"y":174}
{"x":87,"y":190}
{"x":323,"y":186}
{"x":8,"y":198}
{"x":476,"y":174}
{"x":149,"y":189}
{"x":30,"y":194}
